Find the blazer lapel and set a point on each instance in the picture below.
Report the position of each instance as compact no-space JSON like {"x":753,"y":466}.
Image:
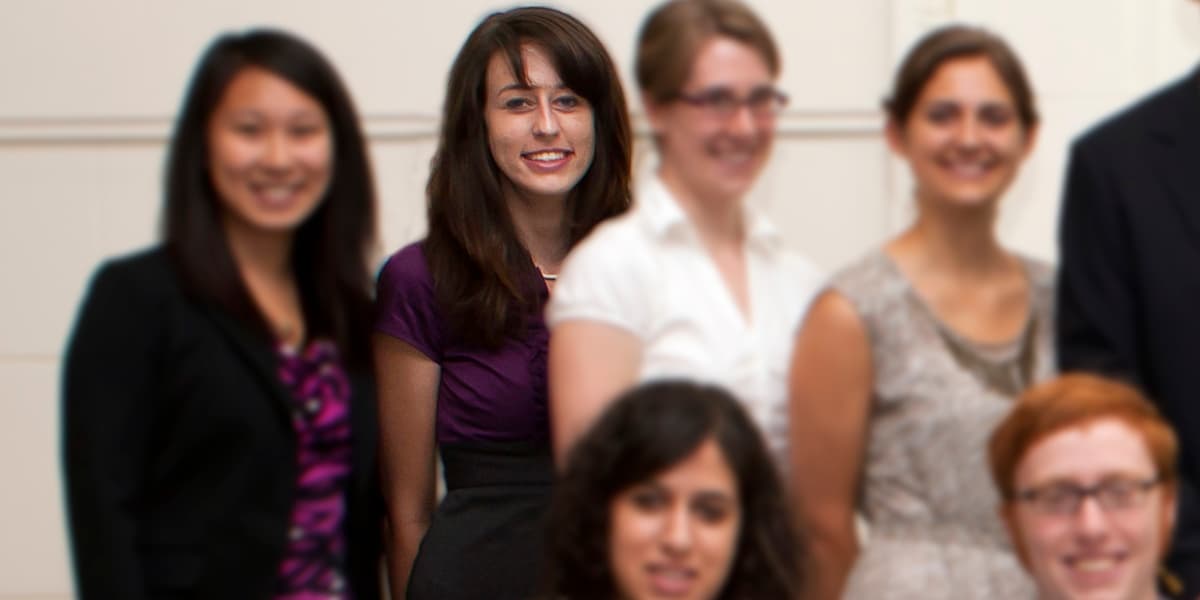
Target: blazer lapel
{"x":260,"y":358}
{"x":1177,"y":160}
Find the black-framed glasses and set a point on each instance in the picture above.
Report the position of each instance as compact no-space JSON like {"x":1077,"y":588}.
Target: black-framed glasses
{"x":723,"y":103}
{"x":1064,"y":499}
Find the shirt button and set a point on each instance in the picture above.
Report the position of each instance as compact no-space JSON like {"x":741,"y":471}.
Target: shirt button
{"x":296,"y":533}
{"x":313,"y":405}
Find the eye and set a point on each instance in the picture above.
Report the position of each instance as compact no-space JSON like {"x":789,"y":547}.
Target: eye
{"x":518,"y":103}
{"x":247,"y":128}
{"x":648,"y":499}
{"x":304,"y":130}
{"x":1060,"y":498}
{"x":712,"y":509}
{"x":941,"y":113}
{"x":996,"y":116}
{"x":568,"y":101}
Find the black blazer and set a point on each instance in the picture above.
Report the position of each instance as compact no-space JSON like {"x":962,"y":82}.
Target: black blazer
{"x":1129,"y":283}
{"x":178,"y":449}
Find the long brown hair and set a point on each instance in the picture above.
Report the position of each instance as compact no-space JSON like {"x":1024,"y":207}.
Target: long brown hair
{"x":483,"y":276}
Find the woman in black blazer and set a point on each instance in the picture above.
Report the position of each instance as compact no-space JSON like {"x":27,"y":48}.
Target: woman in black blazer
{"x":218,"y":411}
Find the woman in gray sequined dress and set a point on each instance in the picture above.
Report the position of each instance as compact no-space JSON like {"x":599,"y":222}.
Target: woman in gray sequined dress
{"x":915,"y":351}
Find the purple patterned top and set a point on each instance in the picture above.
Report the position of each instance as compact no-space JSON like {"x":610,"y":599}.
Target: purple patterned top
{"x":484,"y":395}
{"x":314,"y":561}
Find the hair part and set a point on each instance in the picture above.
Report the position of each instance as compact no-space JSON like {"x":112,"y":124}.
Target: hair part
{"x":671,"y":37}
{"x":646,"y":431}
{"x":330,"y":248}
{"x":483,"y":276}
{"x":1071,"y":401}
{"x":953,"y":42}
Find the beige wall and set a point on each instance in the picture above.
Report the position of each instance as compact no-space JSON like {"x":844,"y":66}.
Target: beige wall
{"x":89,"y":90}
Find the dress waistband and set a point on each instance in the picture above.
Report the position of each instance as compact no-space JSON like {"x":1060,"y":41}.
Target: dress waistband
{"x":481,"y":464}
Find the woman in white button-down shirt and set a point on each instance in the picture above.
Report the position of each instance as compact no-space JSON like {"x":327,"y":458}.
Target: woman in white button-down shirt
{"x":692,"y":282}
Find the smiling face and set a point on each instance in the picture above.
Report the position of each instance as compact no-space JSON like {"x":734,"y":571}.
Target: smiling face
{"x":963,"y":139}
{"x":711,"y":155}
{"x":675,"y":536}
{"x":270,"y":153}
{"x":1092,"y":553}
{"x":541,"y":135}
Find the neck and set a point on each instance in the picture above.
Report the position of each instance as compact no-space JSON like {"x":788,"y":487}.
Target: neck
{"x":718,"y":219}
{"x":539,"y":224}
{"x":258,"y":254}
{"x":955,"y":240}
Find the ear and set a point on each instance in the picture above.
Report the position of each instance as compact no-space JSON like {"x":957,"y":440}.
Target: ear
{"x":654,"y":113}
{"x":894,"y":133}
{"x":1031,"y":137}
{"x":1008,"y":516}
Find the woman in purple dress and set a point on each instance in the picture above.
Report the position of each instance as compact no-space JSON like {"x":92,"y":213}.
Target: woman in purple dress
{"x":534,"y":152}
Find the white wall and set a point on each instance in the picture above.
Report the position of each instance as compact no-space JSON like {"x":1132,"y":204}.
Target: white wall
{"x":90,"y":88}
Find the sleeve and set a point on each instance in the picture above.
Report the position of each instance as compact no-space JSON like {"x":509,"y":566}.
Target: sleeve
{"x":406,"y":304}
{"x":107,"y":399}
{"x":1096,"y":308}
{"x":605,"y":279}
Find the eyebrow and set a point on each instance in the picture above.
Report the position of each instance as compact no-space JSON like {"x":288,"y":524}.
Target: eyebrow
{"x":525,"y":87}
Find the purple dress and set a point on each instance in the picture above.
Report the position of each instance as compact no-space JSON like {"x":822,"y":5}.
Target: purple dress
{"x":493,"y":437}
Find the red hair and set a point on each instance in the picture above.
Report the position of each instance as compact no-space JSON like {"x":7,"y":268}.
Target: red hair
{"x":1073,"y":400}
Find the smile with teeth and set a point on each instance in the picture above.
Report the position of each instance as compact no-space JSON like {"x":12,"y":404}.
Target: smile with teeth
{"x":546,"y":155}
{"x":1097,"y":564}
{"x":276,"y":192}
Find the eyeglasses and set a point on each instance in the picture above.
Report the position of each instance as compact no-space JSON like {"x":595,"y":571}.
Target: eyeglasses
{"x":1064,"y":499}
{"x":721,"y":102}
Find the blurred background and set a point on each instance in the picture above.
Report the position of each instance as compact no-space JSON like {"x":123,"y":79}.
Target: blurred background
{"x":90,"y":90}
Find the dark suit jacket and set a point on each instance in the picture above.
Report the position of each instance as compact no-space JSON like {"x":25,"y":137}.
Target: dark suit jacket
{"x":1129,"y":287}
{"x":179,"y":452}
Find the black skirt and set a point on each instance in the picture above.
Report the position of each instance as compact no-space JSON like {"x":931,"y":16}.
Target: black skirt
{"x":485,"y":539}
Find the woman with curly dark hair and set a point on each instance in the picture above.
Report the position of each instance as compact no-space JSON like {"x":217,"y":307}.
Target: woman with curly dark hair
{"x":672,"y":492}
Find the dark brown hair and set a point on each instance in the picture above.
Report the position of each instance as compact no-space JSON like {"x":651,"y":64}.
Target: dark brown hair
{"x":483,"y":276}
{"x":1073,"y":400}
{"x":330,"y":248}
{"x":951,"y":42}
{"x":648,"y":430}
{"x":671,"y":37}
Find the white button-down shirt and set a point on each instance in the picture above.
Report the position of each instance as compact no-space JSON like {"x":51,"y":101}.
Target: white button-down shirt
{"x":647,"y":272}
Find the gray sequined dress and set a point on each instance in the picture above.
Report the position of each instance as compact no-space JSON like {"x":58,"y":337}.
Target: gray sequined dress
{"x":926,"y":492}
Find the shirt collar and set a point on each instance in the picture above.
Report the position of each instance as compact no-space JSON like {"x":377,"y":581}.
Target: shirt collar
{"x":664,"y":215}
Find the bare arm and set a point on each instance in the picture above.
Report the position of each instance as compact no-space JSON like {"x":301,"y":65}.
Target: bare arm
{"x":591,"y":363}
{"x":408,"y":385}
{"x":830,"y":390}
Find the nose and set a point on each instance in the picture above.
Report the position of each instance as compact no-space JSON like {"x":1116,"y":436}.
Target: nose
{"x":677,"y":533}
{"x":545,"y":122}
{"x":1091,"y":521}
{"x":277,"y":151}
{"x":969,"y":133}
{"x":743,"y":121}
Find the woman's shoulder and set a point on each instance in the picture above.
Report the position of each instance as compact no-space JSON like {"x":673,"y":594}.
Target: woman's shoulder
{"x":145,"y":273}
{"x":406,"y":268}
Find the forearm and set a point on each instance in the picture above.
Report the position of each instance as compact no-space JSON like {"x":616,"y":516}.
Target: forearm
{"x":828,"y":562}
{"x":403,"y":542}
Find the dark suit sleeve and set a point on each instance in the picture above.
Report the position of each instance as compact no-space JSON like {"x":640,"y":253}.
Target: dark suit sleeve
{"x":1097,"y":311}
{"x":107,"y":388}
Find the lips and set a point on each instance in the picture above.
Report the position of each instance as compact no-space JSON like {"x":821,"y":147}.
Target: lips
{"x":276,"y":195}
{"x":547,"y":160}
{"x":1095,"y":570}
{"x":671,"y":581}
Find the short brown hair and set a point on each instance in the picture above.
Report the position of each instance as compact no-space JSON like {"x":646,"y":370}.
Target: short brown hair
{"x":951,"y":42}
{"x":1073,"y":400}
{"x":671,"y":37}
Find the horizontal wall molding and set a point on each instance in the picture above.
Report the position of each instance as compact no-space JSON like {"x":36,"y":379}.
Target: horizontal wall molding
{"x":103,"y":130}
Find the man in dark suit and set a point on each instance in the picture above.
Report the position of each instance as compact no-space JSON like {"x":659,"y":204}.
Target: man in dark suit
{"x":1129,"y":286}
